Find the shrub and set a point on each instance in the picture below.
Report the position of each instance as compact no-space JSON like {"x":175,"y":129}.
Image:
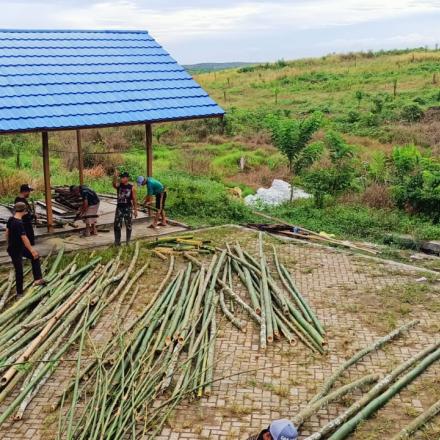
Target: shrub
{"x":416,"y":183}
{"x":411,"y":113}
{"x":203,"y":200}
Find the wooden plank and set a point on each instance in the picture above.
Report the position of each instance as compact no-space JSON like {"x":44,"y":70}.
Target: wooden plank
{"x":47,"y":188}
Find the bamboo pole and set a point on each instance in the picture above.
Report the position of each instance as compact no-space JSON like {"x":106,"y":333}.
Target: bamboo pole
{"x":7,"y":376}
{"x":407,"y":432}
{"x":315,"y":406}
{"x":381,"y":400}
{"x":359,"y":355}
{"x":381,"y":386}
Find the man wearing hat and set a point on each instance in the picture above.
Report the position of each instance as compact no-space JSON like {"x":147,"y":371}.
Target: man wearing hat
{"x":25,"y":192}
{"x":19,"y":246}
{"x":126,"y":206}
{"x":155,"y":189}
{"x":282,"y":429}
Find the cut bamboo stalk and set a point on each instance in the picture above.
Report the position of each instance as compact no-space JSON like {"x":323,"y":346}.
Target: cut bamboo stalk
{"x":381,"y":400}
{"x":305,"y":304}
{"x":248,"y":283}
{"x":211,"y":354}
{"x":265,"y":295}
{"x":7,"y":376}
{"x":359,"y":355}
{"x":420,"y":421}
{"x":381,"y":386}
{"x":313,"y":407}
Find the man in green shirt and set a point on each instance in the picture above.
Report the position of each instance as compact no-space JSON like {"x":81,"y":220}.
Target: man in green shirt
{"x":155,"y":189}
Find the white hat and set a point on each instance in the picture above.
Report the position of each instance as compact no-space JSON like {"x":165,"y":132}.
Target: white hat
{"x":283,"y":429}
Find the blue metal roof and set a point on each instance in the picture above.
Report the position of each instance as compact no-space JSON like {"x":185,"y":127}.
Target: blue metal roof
{"x":58,"y":79}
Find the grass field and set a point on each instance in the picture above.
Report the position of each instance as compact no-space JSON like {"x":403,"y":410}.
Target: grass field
{"x":374,"y":101}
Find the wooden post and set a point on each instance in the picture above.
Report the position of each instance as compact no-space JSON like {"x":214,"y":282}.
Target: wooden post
{"x":80,"y":157}
{"x":47,"y":188}
{"x":149,"y":153}
{"x":149,"y":149}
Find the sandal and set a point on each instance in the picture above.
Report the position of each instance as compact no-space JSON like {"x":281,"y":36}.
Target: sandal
{"x":41,"y":282}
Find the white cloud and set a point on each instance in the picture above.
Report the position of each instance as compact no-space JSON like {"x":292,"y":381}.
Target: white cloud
{"x":237,"y":29}
{"x":195,"y":20}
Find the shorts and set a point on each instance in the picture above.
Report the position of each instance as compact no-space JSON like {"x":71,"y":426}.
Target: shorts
{"x":160,"y":200}
{"x":92,"y":211}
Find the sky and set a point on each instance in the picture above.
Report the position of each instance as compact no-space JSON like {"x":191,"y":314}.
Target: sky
{"x":235,"y":30}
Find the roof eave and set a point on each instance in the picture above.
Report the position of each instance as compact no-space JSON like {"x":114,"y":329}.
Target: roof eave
{"x":85,"y":127}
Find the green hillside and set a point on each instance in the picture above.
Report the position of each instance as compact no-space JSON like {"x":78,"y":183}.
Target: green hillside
{"x":372,"y":162}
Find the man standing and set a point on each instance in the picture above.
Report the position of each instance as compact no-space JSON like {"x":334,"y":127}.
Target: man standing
{"x":126,"y":206}
{"x":155,"y":189}
{"x":89,"y":208}
{"x":282,"y":429}
{"x":19,"y":246}
{"x":29,"y":217}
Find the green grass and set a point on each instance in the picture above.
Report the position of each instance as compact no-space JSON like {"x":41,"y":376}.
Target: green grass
{"x":199,"y":160}
{"x":356,"y":222}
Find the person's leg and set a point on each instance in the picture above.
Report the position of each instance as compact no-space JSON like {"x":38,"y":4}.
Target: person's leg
{"x":17,"y":262}
{"x":36,"y":266}
{"x":128,"y":223}
{"x":94,"y":220}
{"x":117,"y":225}
{"x":163,"y":221}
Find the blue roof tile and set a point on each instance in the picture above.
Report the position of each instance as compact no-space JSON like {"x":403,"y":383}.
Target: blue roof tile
{"x":70,"y":79}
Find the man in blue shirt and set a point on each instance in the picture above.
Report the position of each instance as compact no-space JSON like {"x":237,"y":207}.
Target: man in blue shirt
{"x":155,"y":189}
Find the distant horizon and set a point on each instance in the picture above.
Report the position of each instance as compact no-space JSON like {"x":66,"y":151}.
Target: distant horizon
{"x":203,"y":31}
{"x":409,"y":49}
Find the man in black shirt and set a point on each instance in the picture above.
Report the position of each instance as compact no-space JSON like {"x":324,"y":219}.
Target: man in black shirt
{"x":28,"y":219}
{"x":89,"y":208}
{"x":126,"y":206}
{"x":19,"y":246}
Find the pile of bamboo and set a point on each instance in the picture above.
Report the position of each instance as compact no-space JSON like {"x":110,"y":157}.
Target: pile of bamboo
{"x":40,"y":328}
{"x":169,"y":348}
{"x":279,"y":311}
{"x":168,"y":353}
{"x":164,"y":246}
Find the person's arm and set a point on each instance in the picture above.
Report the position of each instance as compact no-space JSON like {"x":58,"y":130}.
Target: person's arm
{"x":83,"y":209}
{"x":134,"y":202}
{"x":115,"y":179}
{"x":28,"y":246}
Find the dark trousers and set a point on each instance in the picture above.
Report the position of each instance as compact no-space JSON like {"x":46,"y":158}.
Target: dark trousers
{"x":29,"y":232}
{"x":17,"y":261}
{"x":124,"y":214}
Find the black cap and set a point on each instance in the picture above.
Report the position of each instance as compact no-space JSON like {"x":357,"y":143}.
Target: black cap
{"x":124,"y":174}
{"x":26,"y":188}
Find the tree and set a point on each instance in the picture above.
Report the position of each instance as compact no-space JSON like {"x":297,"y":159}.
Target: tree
{"x":292,"y":137}
{"x":18,"y":142}
{"x":336,"y":178}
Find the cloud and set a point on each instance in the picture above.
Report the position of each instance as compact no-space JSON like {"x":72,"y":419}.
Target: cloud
{"x":241,"y":28}
{"x":198,"y":18}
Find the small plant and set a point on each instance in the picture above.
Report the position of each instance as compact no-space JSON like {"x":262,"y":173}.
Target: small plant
{"x":292,"y":137}
{"x":359,"y":95}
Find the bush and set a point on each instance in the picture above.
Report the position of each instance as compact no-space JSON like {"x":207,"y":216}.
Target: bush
{"x":416,"y":182}
{"x":411,"y":113}
{"x":202,"y":201}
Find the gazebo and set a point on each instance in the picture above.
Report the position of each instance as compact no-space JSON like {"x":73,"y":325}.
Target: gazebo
{"x":54,"y":80}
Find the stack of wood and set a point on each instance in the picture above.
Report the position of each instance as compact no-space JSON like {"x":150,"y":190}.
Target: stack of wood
{"x":66,"y":198}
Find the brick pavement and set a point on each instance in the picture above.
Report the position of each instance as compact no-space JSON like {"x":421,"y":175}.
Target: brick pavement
{"x":345,"y":291}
